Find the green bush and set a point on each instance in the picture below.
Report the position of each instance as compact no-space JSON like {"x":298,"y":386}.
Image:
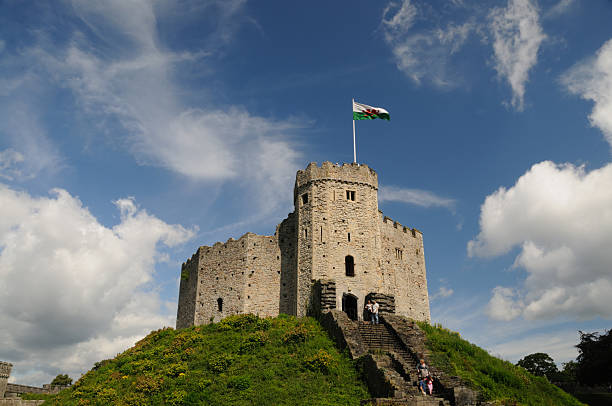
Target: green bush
{"x":239,"y":382}
{"x":321,"y":361}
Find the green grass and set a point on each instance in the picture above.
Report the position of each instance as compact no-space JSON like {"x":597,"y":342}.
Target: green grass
{"x":243,"y":360}
{"x":497,"y":380}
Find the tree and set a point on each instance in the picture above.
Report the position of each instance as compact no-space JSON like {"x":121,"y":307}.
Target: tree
{"x":61,"y":380}
{"x":594,"y":358}
{"x":539,"y":364}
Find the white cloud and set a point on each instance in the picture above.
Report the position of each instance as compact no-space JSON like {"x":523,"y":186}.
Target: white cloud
{"x":562,"y":7}
{"x":417,"y":197}
{"x":443,"y":292}
{"x":72,"y":290}
{"x":560,"y":345}
{"x":503,"y":305}
{"x":560,"y":216}
{"x":9,"y":161}
{"x":592,"y":80}
{"x":125,"y":79}
{"x":517,"y":36}
{"x":424,"y":54}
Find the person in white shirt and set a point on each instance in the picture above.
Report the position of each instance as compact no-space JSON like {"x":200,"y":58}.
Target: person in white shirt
{"x":374,"y":312}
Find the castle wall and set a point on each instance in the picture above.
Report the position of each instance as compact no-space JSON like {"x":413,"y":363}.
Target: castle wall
{"x":403,"y":265}
{"x":287,"y":243}
{"x":263,"y":276}
{"x":5,"y":372}
{"x":221,"y":275}
{"x":188,"y":291}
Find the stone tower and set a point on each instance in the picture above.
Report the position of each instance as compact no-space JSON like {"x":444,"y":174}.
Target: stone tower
{"x":5,"y":372}
{"x":336,"y":250}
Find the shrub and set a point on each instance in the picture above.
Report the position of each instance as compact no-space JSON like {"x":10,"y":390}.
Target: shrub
{"x":219,"y":363}
{"x":239,"y":382}
{"x":297,"y":334}
{"x":321,"y":361}
{"x":252,"y":341}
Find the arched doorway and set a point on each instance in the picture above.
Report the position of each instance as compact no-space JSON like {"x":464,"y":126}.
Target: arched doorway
{"x":349,"y":305}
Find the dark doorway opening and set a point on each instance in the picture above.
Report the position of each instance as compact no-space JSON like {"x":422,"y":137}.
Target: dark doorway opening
{"x":220,"y":304}
{"x":349,"y":306}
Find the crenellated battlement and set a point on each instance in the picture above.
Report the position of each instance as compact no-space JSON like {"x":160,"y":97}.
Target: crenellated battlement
{"x":350,"y":173}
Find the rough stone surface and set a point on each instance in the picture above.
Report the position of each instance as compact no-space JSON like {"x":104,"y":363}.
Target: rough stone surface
{"x":336,"y":222}
{"x":5,"y":372}
{"x":20,"y":402}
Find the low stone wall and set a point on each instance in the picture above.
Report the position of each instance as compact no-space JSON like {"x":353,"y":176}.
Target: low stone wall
{"x":344,"y":332}
{"x":20,"y":402}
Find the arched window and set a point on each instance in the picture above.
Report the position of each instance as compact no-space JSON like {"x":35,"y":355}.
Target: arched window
{"x":220,"y":304}
{"x":349,"y":264}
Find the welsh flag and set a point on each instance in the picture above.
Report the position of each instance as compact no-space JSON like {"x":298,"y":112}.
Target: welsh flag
{"x":365,"y":112}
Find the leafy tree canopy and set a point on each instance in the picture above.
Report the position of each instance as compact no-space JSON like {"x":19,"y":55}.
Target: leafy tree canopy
{"x":595,"y":358}
{"x":62,"y":380}
{"x":539,"y":364}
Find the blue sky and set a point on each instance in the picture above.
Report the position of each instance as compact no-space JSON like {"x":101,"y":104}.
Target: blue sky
{"x":131,"y":132}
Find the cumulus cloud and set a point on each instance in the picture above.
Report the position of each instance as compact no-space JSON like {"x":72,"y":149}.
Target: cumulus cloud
{"x":592,"y":80}
{"x":517,"y":36}
{"x":417,"y":197}
{"x":72,"y":290}
{"x":125,"y":79}
{"x":560,"y":219}
{"x":424,"y":54}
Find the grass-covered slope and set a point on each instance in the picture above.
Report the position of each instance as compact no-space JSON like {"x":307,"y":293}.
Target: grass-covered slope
{"x":243,"y":360}
{"x":497,"y":380}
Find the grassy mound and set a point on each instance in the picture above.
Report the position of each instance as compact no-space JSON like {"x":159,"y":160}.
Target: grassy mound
{"x":242,"y":360}
{"x":497,"y":380}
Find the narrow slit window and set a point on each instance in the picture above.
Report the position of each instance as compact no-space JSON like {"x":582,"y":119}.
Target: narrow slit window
{"x":305,"y":233}
{"x":220,"y":304}
{"x":305,"y":198}
{"x":349,"y":264}
{"x":349,"y":237}
{"x":321,"y":233}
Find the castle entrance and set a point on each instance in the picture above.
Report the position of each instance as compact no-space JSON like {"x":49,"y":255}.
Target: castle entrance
{"x":349,"y":305}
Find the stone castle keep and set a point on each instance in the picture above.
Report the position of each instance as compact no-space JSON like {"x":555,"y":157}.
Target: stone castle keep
{"x":335,"y":251}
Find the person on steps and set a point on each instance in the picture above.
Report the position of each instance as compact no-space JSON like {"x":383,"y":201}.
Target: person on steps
{"x":368,"y":309}
{"x":429,"y":383}
{"x":374,"y":312}
{"x":422,"y":373}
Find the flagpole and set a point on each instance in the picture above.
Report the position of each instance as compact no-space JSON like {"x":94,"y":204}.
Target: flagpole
{"x":354,"y":144}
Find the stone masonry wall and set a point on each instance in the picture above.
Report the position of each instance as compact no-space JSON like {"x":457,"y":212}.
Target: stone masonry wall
{"x":262,"y":290}
{"x":287,"y":243}
{"x":188,"y":291}
{"x":5,"y":372}
{"x":221,"y":276}
{"x":403,"y":266}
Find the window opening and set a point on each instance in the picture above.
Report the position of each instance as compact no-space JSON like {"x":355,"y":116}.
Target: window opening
{"x":350,"y":195}
{"x":305,"y":198}
{"x":398,"y":253}
{"x":349,"y":264}
{"x":349,"y":237}
{"x":321,"y":233}
{"x":220,"y":304}
{"x":305,"y":233}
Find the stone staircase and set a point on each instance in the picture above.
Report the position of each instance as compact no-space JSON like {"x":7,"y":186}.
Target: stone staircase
{"x":396,"y":363}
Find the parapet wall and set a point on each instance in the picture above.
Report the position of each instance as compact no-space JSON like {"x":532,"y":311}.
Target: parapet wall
{"x":350,"y":173}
